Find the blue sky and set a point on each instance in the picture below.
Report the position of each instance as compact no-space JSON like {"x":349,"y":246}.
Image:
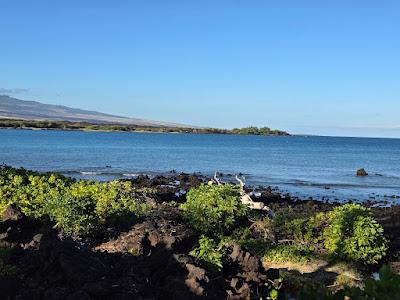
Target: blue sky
{"x":303,"y":66}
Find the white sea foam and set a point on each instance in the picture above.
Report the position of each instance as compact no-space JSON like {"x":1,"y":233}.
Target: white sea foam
{"x":130,"y":175}
{"x":89,"y":173}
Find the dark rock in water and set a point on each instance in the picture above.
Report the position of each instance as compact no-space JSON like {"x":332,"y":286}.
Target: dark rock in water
{"x":168,"y":188}
{"x":268,"y":196}
{"x":362,"y":172}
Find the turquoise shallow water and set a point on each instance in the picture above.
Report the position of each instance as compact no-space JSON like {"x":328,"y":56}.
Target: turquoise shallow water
{"x":303,"y":166}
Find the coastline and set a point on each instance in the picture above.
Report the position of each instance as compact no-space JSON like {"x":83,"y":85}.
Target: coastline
{"x":154,"y":250}
{"x":294,"y":165}
{"x":137,"y":130}
{"x":110,"y":127}
{"x":259,"y":191}
{"x":322,"y":192}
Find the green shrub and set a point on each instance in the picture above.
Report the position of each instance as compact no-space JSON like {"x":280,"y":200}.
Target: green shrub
{"x":72,"y":215}
{"x":28,"y":189}
{"x":306,"y":230}
{"x":348,"y":232}
{"x":352,"y":233}
{"x":209,"y":252}
{"x":256,"y":246}
{"x":241,"y":234}
{"x":115,"y":200}
{"x":214,"y":209}
{"x":76,"y":207}
{"x":303,"y":226}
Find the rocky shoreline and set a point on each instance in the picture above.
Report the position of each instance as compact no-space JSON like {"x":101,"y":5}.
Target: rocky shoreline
{"x":146,"y":258}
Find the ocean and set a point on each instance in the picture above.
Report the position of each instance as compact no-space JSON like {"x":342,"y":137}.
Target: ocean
{"x":322,"y":168}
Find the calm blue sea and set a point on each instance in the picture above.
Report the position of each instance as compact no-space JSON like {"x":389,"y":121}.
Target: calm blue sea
{"x":303,"y":166}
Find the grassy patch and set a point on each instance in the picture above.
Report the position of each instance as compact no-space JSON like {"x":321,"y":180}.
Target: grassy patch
{"x":288,"y":253}
{"x":277,"y":253}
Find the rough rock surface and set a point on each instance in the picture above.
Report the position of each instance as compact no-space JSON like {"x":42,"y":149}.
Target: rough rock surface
{"x":50,"y":267}
{"x":12,"y":213}
{"x":162,"y":226}
{"x":170,"y":187}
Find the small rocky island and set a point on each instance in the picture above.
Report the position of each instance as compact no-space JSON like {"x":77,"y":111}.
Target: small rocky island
{"x":362,"y":172}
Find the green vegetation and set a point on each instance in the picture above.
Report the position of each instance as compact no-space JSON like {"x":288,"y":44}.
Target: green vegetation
{"x":214,"y":209}
{"x":66,"y":125}
{"x":73,"y":215}
{"x":76,"y":207}
{"x":353,"y":234}
{"x":257,"y":131}
{"x":285,"y":253}
{"x":348,"y":232}
{"x":346,"y":237}
{"x":277,"y":253}
{"x":386,"y":288}
{"x":209,"y":252}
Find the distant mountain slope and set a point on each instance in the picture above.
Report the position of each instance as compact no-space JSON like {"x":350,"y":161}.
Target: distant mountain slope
{"x":32,"y":110}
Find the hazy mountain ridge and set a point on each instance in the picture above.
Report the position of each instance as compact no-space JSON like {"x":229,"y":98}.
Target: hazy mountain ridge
{"x":32,"y":110}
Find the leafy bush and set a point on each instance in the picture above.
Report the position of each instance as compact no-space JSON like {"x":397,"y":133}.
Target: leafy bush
{"x":76,"y":207}
{"x":306,"y":230}
{"x":348,"y":231}
{"x":209,"y":252}
{"x":114,"y":200}
{"x":72,"y":215}
{"x":256,"y":246}
{"x":353,"y":233}
{"x":214,"y":209}
{"x":302,"y":226}
{"x":28,"y":189}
